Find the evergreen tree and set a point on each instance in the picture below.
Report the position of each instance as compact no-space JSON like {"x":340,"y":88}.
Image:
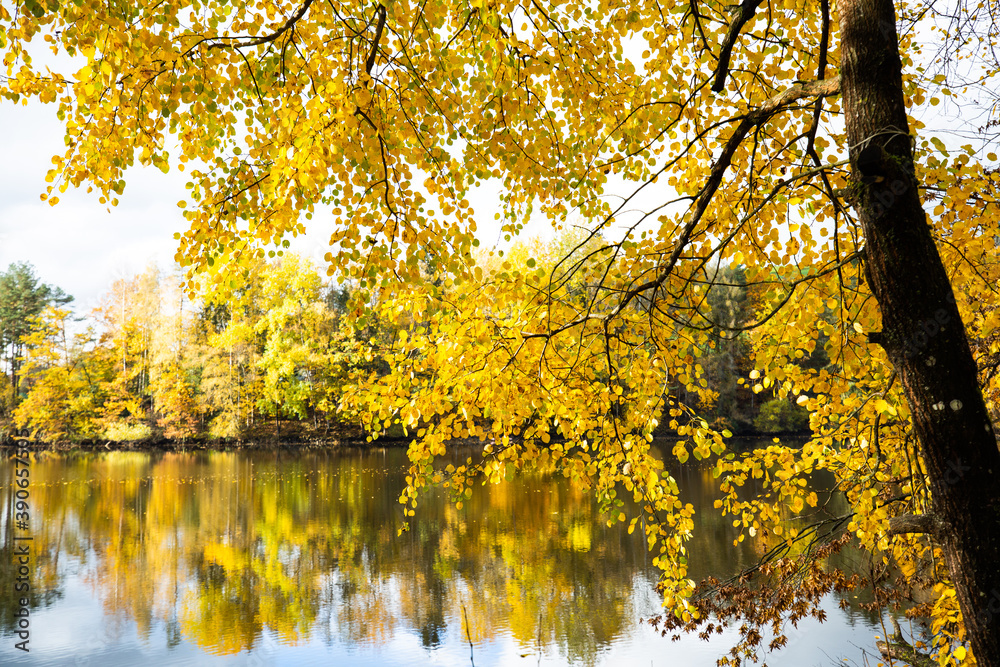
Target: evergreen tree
{"x":23,"y":297}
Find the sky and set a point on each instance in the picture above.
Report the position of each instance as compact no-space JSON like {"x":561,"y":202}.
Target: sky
{"x":77,"y":245}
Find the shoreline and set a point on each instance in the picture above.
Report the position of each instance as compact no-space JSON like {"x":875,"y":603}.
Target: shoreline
{"x":353,"y":441}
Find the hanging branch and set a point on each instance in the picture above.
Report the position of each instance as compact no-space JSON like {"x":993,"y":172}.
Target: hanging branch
{"x":749,"y":121}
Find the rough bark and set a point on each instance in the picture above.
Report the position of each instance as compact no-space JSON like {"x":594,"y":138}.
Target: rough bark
{"x":923,"y":333}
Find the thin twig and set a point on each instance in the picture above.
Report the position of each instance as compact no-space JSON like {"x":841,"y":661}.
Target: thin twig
{"x":468,"y":635}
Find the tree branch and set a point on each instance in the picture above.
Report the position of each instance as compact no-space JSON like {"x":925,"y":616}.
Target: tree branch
{"x":916,"y":523}
{"x":822,"y":88}
{"x":370,"y":61}
{"x":266,"y":38}
{"x":752,"y":119}
{"x":743,"y":14}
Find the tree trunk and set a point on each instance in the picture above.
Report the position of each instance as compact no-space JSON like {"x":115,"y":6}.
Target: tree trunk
{"x":923,"y":333}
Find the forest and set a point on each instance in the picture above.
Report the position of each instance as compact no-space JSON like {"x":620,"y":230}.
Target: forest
{"x":271,"y":362}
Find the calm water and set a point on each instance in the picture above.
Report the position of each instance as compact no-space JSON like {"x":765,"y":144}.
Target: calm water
{"x":294,"y":559}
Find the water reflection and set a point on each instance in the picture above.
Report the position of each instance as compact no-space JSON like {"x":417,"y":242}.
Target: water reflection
{"x":218,"y":553}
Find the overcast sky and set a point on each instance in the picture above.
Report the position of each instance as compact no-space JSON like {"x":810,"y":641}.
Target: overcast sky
{"x":77,"y":245}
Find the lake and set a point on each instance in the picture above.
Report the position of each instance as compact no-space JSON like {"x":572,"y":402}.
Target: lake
{"x":293,"y":558}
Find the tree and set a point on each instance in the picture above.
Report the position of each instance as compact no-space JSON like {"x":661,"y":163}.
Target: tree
{"x":174,"y":369}
{"x":390,"y":115}
{"x":22,"y":300}
{"x":63,"y":398}
{"x":295,"y":328}
{"x":129,"y":313}
{"x":939,"y":377}
{"x":728,"y":361}
{"x":175,"y":401}
{"x":230,"y":382}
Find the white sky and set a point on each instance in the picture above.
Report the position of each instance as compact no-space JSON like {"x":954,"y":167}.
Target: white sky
{"x":77,"y":245}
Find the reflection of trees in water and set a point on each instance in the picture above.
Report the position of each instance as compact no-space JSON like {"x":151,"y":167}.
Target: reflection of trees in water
{"x":513,"y":555}
{"x":218,"y":547}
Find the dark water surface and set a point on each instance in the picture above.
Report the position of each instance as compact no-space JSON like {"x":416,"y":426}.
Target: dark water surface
{"x":272,"y":558}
